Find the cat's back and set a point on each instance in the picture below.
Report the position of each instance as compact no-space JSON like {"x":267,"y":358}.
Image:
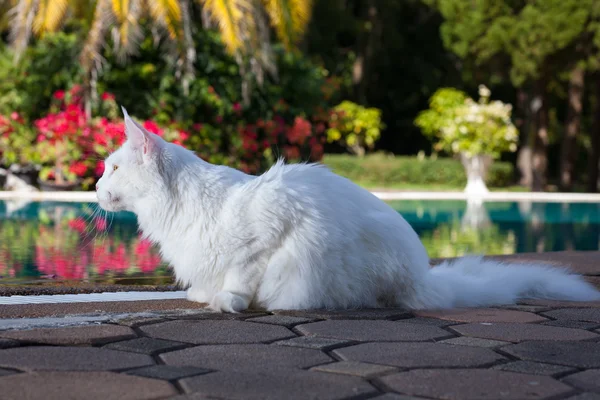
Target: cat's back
{"x":312,"y":186}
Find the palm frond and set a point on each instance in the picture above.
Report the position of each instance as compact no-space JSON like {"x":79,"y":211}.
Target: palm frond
{"x":168,"y":14}
{"x":49,"y":15}
{"x":289,"y":18}
{"x":127,"y":32}
{"x":21,"y":16}
{"x":229,"y":16}
{"x":90,"y":57}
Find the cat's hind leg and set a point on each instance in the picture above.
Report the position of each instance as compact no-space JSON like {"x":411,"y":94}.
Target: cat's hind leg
{"x":238,"y":290}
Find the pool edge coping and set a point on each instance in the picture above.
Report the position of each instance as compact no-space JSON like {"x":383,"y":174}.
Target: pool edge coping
{"x":559,"y":197}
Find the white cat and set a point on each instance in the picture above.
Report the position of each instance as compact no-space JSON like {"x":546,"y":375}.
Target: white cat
{"x":297,"y":237}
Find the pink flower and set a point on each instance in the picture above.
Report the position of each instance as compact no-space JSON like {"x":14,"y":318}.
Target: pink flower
{"x":100,"y":223}
{"x":78,"y":168}
{"x":153,"y":127}
{"x":59,"y":94}
{"x":108,"y":96}
{"x":99,"y":170}
{"x":77,"y":224}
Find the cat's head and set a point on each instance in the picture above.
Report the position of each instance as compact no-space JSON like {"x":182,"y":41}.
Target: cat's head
{"x":134,"y":172}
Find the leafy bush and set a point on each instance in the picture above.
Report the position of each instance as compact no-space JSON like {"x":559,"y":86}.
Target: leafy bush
{"x":378,"y":170}
{"x":462,"y":125}
{"x":16,"y":138}
{"x":287,"y":116}
{"x":355,"y":127}
{"x":46,"y":66}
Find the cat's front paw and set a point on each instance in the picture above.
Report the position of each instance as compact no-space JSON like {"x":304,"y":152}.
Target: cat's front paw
{"x":228,"y":302}
{"x":198,"y":295}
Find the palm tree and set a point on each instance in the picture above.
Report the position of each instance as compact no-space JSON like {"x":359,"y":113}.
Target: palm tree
{"x":243,"y":25}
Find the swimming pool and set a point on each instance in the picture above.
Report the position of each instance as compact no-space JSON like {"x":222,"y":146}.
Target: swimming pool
{"x":66,"y":241}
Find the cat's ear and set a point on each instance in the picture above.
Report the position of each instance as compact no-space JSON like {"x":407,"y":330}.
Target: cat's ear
{"x":145,"y":143}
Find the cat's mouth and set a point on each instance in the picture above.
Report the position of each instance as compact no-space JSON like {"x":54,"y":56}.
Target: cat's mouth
{"x":108,"y":201}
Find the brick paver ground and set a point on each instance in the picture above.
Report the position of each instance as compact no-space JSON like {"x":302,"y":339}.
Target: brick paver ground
{"x":533,"y":350}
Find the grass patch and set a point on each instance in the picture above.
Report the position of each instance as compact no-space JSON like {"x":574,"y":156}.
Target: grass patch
{"x":381,"y":171}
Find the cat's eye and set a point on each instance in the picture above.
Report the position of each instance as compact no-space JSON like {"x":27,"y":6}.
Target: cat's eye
{"x":115,"y":167}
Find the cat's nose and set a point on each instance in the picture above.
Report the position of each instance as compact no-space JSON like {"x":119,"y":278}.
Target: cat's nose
{"x":97,"y":187}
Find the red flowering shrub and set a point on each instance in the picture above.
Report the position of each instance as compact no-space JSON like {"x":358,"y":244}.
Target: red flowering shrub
{"x":72,"y":146}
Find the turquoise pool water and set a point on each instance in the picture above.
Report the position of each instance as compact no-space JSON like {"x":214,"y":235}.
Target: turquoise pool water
{"x":75,"y":242}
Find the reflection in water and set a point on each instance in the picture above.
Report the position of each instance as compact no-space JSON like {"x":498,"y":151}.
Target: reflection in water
{"x":453,"y":228}
{"x":70,"y":241}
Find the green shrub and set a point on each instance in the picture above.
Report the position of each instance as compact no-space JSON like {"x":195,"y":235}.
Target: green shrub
{"x":355,"y":127}
{"x":462,"y":125}
{"x":379,"y":170}
{"x":46,"y":66}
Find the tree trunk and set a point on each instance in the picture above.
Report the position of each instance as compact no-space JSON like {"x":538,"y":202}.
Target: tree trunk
{"x":540,"y":141}
{"x":595,"y":135}
{"x":365,"y":49}
{"x":569,"y":144}
{"x":523,"y":124}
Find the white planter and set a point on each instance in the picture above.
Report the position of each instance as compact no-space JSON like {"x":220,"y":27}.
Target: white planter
{"x":475,"y":216}
{"x":476,"y":168}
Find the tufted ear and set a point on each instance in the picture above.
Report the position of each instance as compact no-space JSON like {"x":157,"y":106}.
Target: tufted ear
{"x":144,"y":143}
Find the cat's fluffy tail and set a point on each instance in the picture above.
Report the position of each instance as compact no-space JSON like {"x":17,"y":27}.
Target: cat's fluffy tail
{"x":475,"y":282}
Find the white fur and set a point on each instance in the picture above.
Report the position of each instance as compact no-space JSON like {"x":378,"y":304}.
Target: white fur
{"x":298,"y":237}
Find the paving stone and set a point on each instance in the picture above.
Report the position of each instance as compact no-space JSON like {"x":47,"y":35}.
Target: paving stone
{"x":483,"y":315}
{"x":529,"y":309}
{"x":8,"y":343}
{"x":594,"y":280}
{"x":217,"y":332}
{"x":194,"y":396}
{"x":316,"y":343}
{"x":576,"y":314}
{"x":419,"y":355}
{"x":394,"y":396}
{"x":365,"y":313}
{"x":168,"y":372}
{"x":586,"y":380}
{"x":219,"y":316}
{"x":148,"y":346}
{"x":79,"y":335}
{"x":291,"y":385}
{"x":70,"y":359}
{"x":139,"y":321}
{"x":285,"y":320}
{"x":465,"y":384}
{"x":440,"y":323}
{"x":535,"y":368}
{"x":575,"y":354}
{"x":4,"y":372}
{"x":561,"y":304}
{"x":585,"y":396}
{"x":373,"y":331}
{"x":250,"y":357}
{"x":565,"y":323}
{"x":476,"y":342}
{"x":355,"y":368}
{"x":522,"y":332}
{"x":82,"y":385}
